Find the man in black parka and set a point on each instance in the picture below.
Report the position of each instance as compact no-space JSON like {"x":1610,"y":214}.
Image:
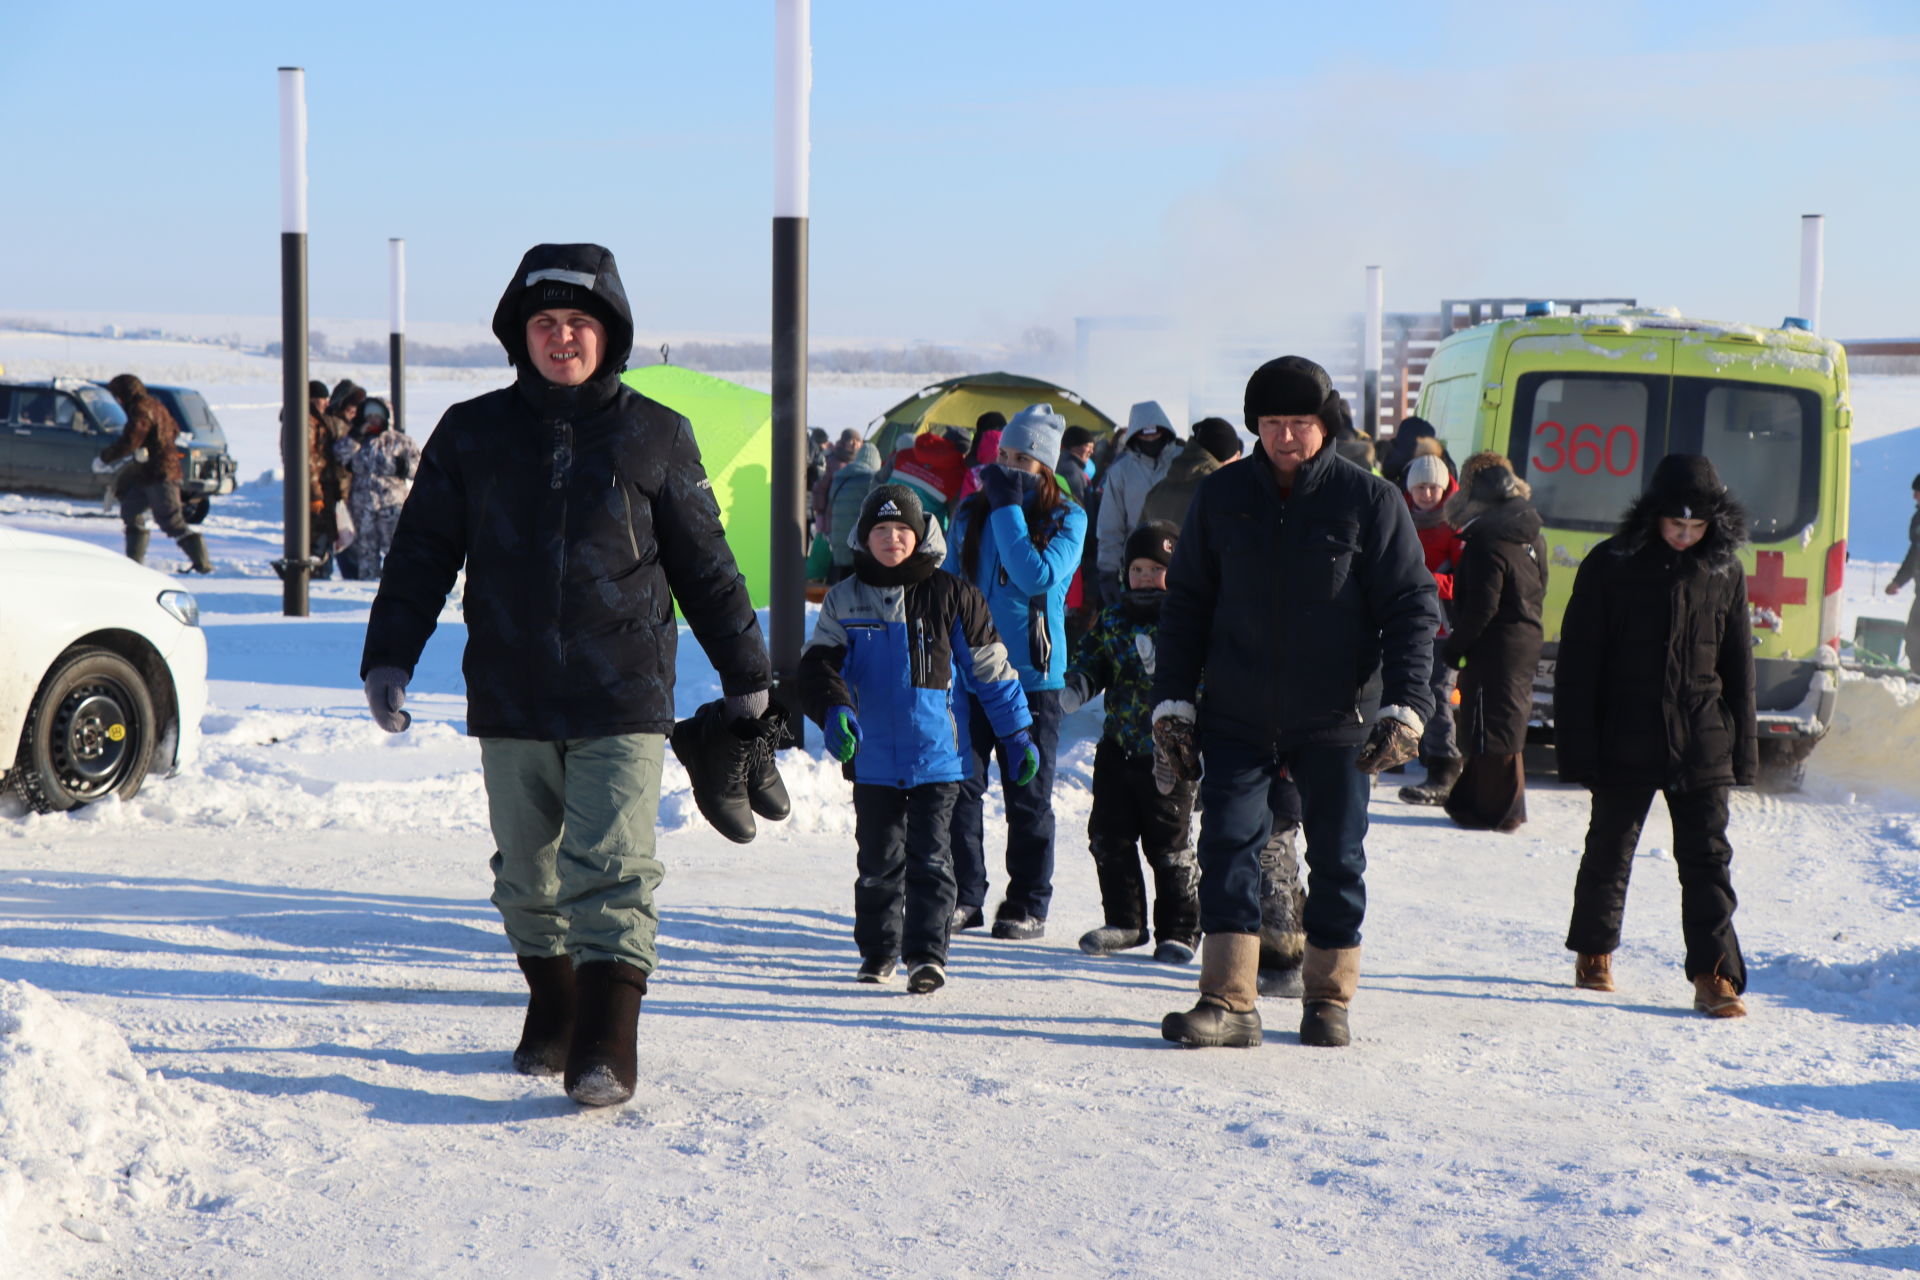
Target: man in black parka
{"x":582,"y":513}
{"x":1300,"y":593}
{"x":1654,"y":691}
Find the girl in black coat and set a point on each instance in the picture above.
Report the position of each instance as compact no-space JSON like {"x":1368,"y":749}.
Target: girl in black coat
{"x":1653,"y":691}
{"x":1499,"y":586}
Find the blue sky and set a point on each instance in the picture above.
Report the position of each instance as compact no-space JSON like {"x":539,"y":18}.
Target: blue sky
{"x":978,"y":168}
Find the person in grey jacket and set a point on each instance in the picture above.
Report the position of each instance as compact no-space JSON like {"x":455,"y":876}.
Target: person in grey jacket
{"x":1910,"y":569}
{"x":582,"y":515}
{"x":1144,"y":461}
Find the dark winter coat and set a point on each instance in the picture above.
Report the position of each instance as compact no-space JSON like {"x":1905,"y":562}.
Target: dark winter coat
{"x":1306,"y":613}
{"x":895,"y":645}
{"x":1653,"y":682}
{"x":1910,"y":566}
{"x":150,"y":427}
{"x":1499,"y":589}
{"x":845,"y":492}
{"x":1169,"y":499}
{"x":582,"y":514}
{"x":1074,"y":474}
{"x":1117,"y":656}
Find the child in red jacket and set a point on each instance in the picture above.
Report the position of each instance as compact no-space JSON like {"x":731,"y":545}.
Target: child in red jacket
{"x":1428,"y":486}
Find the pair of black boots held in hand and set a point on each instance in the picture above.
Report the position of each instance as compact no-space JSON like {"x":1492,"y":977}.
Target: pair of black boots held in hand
{"x":729,"y":761}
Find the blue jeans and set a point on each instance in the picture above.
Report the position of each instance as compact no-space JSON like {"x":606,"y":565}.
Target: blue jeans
{"x":1029,"y":814}
{"x":1237,"y":794}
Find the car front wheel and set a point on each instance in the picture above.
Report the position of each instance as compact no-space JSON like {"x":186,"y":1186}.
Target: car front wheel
{"x":89,"y":735}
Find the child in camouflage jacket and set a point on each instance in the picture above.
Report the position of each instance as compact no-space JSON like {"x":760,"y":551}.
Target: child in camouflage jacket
{"x":1117,"y":656}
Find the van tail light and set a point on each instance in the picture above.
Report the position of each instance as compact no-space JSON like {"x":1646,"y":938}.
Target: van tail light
{"x":1830,"y":602}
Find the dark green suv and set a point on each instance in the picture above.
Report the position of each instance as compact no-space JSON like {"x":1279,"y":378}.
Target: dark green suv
{"x":51,"y":431}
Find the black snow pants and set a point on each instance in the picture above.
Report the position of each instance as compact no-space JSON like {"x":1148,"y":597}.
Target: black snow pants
{"x":1128,"y":809}
{"x":1701,"y":853}
{"x":903,"y":899}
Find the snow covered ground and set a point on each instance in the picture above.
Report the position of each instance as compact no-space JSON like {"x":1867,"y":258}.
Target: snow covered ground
{"x":255,"y":1022}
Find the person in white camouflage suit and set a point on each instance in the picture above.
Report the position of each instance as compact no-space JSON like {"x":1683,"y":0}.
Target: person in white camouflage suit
{"x":383,"y":459}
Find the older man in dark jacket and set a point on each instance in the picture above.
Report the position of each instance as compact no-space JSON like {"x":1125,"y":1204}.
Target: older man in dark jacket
{"x":582,"y":513}
{"x":1300,"y":593}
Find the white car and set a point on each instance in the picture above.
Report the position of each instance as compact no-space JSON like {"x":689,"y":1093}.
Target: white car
{"x":103,"y":671}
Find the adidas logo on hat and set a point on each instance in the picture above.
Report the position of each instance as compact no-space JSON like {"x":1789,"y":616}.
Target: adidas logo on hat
{"x":889,"y":508}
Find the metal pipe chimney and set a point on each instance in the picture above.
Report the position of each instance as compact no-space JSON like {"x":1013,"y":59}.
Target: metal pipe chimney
{"x":296,"y":565}
{"x":1813,"y":266}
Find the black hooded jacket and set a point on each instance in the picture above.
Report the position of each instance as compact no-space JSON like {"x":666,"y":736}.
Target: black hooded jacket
{"x":1499,"y":588}
{"x":1653,"y":683}
{"x":581,"y":514}
{"x":1297,"y":609}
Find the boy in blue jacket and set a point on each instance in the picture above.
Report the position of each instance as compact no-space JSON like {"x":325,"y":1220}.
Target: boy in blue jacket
{"x":879,"y":676}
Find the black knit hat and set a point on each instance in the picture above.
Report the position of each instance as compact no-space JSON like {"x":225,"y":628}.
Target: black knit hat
{"x":1686,"y":487}
{"x":317,"y":390}
{"x":1218,"y":438}
{"x":895,"y":503}
{"x":1336,"y":415}
{"x":1151,"y":541}
{"x":561,"y":295}
{"x":1292,"y":386}
{"x":1916,"y":483}
{"x":991,"y":420}
{"x":1075,"y":436}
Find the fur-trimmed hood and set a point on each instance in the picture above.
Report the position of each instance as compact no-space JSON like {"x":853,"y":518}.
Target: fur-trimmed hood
{"x":1487,"y":497}
{"x":1690,"y":483}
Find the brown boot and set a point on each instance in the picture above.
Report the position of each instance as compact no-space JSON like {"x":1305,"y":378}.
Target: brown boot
{"x":1714,"y":996}
{"x":602,"y":1059}
{"x":548,"y":1028}
{"x":1225,"y":1016}
{"x":1328,"y":979}
{"x":1592,"y":972}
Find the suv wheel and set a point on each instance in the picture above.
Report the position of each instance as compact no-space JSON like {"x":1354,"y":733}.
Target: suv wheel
{"x":90,"y":733}
{"x":195,"y":509}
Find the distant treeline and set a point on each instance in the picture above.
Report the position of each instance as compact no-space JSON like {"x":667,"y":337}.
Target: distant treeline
{"x":709,"y":357}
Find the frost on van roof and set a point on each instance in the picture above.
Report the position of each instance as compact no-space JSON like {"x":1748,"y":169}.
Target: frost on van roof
{"x":1781,"y":348}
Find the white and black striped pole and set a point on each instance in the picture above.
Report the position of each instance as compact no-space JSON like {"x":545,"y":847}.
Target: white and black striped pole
{"x":1370,"y":354}
{"x":397,"y":330}
{"x":793,"y":79}
{"x":296,"y":567}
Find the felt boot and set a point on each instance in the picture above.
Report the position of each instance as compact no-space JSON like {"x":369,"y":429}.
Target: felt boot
{"x":196,"y":548}
{"x":548,"y":1028}
{"x":602,"y":1062}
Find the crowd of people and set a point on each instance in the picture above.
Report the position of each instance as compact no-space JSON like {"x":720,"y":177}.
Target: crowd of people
{"x":1271,"y":628}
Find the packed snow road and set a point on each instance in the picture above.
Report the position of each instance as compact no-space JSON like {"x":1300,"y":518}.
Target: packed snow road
{"x":257,"y":1021}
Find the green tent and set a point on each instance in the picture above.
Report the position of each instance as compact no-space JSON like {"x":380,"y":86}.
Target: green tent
{"x":733,"y":426}
{"x":959,"y":402}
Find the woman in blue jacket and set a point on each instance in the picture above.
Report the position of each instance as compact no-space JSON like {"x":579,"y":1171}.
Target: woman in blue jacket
{"x":1018,"y":540}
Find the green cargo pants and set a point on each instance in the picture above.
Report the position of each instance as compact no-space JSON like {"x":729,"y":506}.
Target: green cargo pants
{"x":575,"y":870}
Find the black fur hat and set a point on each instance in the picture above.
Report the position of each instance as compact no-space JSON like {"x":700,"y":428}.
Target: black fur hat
{"x":1291,"y":386}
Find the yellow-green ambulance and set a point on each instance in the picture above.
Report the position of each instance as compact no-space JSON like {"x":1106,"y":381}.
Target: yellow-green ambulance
{"x":1585,"y":406}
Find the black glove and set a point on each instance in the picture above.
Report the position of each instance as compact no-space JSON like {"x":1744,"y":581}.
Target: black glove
{"x":1000,"y":485}
{"x":1393,"y":742}
{"x":401,"y":466}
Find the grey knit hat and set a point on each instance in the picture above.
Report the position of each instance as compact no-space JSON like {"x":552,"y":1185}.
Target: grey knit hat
{"x":1035,"y":431}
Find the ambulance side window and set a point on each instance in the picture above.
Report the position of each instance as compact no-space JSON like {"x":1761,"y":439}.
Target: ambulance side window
{"x":1765,"y":443}
{"x":1586,"y":442}
{"x":1451,"y":405}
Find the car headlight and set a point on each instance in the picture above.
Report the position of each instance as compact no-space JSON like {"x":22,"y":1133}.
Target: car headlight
{"x":181,"y":605}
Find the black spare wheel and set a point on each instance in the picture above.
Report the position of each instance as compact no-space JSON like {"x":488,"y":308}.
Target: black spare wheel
{"x":89,"y":735}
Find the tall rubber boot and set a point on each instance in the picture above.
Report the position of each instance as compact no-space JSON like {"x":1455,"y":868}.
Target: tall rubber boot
{"x":1123,"y":899}
{"x":548,"y":1029}
{"x":196,"y":549}
{"x":602,"y":1061}
{"x":1283,"y":904}
{"x":1226,"y":1016}
{"x":137,"y":536}
{"x":1329,"y":979}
